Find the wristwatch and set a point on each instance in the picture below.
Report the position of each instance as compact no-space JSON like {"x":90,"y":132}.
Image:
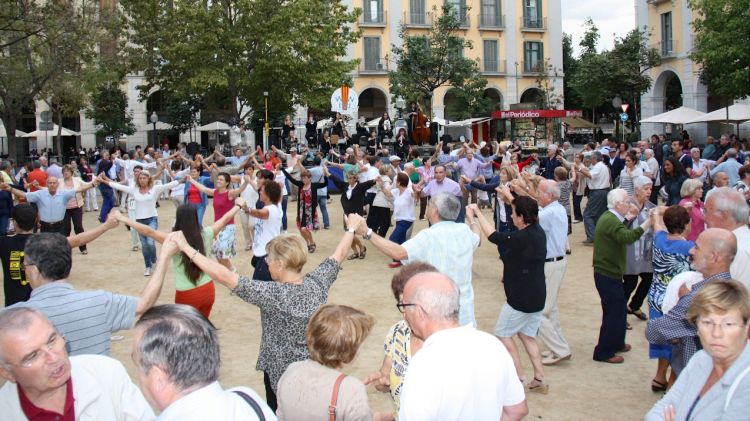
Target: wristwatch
{"x":368,"y":235}
{"x":351,"y":231}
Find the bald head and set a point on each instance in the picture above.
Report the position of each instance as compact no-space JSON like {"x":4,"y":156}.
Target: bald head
{"x":435,"y":293}
{"x":714,"y":251}
{"x":18,"y":319}
{"x":550,"y":192}
{"x":722,"y":242}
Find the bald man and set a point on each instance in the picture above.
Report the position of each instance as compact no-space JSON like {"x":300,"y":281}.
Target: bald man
{"x":726,"y":208}
{"x":460,"y":373}
{"x":712,"y":254}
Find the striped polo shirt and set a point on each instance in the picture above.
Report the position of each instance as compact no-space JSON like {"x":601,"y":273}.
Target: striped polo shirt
{"x":85,"y":318}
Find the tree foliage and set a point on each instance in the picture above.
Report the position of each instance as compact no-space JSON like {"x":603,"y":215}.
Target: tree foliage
{"x":570,"y":67}
{"x":427,"y":62}
{"x":290,"y":49}
{"x":109,"y":110}
{"x":182,"y":111}
{"x":722,"y":45}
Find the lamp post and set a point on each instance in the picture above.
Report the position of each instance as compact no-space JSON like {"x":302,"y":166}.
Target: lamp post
{"x":266,"y":127}
{"x":400,"y":104}
{"x":154,"y":118}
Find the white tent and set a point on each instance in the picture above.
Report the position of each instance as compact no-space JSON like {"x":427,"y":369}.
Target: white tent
{"x":4,"y":133}
{"x":216,"y":126}
{"x":737,"y":113}
{"x":682,"y":115}
{"x":51,"y":133}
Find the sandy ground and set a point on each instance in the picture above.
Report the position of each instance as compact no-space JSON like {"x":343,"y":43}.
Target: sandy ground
{"x":579,"y":388}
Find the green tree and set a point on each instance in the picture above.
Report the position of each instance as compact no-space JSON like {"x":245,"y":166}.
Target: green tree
{"x":290,"y":49}
{"x":109,"y":110}
{"x":427,"y":62}
{"x":182,"y":111}
{"x":570,"y":66}
{"x":630,"y":61}
{"x":590,"y":80}
{"x":721,"y":45}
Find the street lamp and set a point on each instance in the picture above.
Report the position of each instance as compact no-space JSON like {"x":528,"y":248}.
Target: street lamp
{"x":154,"y":118}
{"x":265,"y":98}
{"x":400,"y":104}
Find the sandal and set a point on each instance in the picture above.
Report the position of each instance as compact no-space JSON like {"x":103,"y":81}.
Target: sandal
{"x":540,"y":387}
{"x":639,"y":314}
{"x":363,"y":253}
{"x":353,"y":256}
{"x":657,"y":386}
{"x":311,"y":248}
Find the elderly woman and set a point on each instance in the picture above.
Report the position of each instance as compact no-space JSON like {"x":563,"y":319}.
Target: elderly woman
{"x":310,"y":389}
{"x":715,"y":384}
{"x":523,"y":253}
{"x":286,"y":304}
{"x":670,"y":257}
{"x":638,"y":254}
{"x":692,"y":192}
{"x":399,"y":346}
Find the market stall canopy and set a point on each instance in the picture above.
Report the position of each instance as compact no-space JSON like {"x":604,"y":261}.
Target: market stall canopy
{"x":51,"y":133}
{"x":737,"y":113}
{"x":216,"y":126}
{"x":460,"y":123}
{"x":682,"y":115}
{"x":579,"y":123}
{"x":160,"y":125}
{"x":509,"y":114}
{"x":4,"y":133}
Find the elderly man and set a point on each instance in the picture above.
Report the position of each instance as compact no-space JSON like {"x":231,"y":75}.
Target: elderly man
{"x":721,"y":149}
{"x":54,"y":169}
{"x":728,"y":164}
{"x":441,"y":184}
{"x":598,"y":181}
{"x":554,"y":221}
{"x":441,"y":385}
{"x":610,"y":239}
{"x":726,"y":208}
{"x":50,"y":202}
{"x":468,"y":168}
{"x":711,"y":256}
{"x":447,"y":245}
{"x":653,"y":168}
{"x":176,"y":353}
{"x":553,"y":160}
{"x":43,"y":383}
{"x":86,"y":318}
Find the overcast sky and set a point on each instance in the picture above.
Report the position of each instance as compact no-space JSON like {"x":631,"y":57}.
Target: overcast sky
{"x":610,"y":16}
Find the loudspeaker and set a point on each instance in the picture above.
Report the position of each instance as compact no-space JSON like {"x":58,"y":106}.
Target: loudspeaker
{"x":433,"y":133}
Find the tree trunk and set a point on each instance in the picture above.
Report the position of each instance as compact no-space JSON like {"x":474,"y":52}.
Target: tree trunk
{"x":57,"y":142}
{"x":15,"y":150}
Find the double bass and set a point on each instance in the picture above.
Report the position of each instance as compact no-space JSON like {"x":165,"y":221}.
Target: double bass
{"x":420,"y":131}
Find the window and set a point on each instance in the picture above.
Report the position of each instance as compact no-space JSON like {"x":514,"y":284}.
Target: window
{"x":532,"y":13}
{"x":533,"y":54}
{"x":490,"y":13}
{"x":417,"y":12}
{"x":490,"y":55}
{"x":666,"y":34}
{"x":373,"y":11}
{"x":372,"y":54}
{"x":459,"y":6}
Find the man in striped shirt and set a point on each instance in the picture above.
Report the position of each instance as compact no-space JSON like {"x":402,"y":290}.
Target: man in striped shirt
{"x":86,"y":318}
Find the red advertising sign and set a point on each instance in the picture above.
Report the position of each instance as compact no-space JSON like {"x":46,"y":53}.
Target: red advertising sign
{"x":536,"y":114}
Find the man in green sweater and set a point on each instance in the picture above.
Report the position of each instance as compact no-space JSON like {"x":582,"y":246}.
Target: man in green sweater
{"x":610,"y":238}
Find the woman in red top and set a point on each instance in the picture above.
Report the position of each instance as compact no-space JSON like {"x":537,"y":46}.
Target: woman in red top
{"x":223,"y":246}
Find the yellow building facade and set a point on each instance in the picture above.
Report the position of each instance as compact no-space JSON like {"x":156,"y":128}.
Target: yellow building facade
{"x":510,"y":39}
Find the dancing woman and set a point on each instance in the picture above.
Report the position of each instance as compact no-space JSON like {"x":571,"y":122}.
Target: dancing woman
{"x":307,"y":203}
{"x":224,"y":245}
{"x":353,"y":201}
{"x":74,"y":207}
{"x":192,"y":286}
{"x":145,"y":194}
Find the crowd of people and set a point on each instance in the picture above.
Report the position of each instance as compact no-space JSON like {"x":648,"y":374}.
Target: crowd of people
{"x":668,"y":224}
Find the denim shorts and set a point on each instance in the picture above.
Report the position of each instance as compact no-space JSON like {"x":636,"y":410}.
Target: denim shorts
{"x":512,"y":321}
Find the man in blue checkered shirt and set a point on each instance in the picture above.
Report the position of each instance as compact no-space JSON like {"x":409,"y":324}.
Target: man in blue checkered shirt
{"x":713,"y":253}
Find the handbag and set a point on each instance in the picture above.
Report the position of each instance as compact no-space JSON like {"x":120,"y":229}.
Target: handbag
{"x":250,"y":401}
{"x":334,"y":398}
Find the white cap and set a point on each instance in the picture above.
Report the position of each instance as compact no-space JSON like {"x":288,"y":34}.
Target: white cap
{"x":394,"y":158}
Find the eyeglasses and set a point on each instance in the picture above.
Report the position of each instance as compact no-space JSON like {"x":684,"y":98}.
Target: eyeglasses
{"x":402,"y":306}
{"x":724,"y":326}
{"x":55,"y":344}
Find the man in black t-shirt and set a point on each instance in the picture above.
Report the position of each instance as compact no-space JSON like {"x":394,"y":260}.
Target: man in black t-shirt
{"x":16,"y":286}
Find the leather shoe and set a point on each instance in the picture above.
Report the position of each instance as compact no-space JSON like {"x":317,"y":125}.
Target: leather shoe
{"x":625,"y":348}
{"x":614,"y":360}
{"x":554,"y":359}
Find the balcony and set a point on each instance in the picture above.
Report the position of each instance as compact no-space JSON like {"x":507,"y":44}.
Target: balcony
{"x":532,"y":68}
{"x":373,"y":19}
{"x":417,"y":20}
{"x":667,"y":48}
{"x":494,"y":67}
{"x":464,"y":20}
{"x":373,"y":66}
{"x":491,"y":22}
{"x":532,"y":24}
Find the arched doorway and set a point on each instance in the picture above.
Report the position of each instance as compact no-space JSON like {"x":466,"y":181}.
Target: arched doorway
{"x":494,"y":102}
{"x":531,"y":95}
{"x":372,"y":103}
{"x":456,"y":106}
{"x":668,"y":87}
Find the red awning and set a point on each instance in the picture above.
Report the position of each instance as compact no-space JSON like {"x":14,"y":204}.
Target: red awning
{"x":536,"y":114}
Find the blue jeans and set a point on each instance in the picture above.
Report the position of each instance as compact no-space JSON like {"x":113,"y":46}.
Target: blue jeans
{"x":461,"y":210}
{"x":108,"y":202}
{"x":148,"y":246}
{"x":398,"y":235}
{"x":323,"y":205}
{"x":614,"y":315}
{"x":201,"y":209}
{"x":284,"y":201}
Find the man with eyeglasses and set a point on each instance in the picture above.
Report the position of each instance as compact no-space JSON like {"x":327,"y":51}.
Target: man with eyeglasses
{"x":712,"y":255}
{"x":44,"y":383}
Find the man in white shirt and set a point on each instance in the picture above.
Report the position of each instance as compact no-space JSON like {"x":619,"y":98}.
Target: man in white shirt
{"x":176,"y":352}
{"x":701,"y":167}
{"x":460,"y":373}
{"x":653,"y":166}
{"x":726,"y":208}
{"x":598,"y":181}
{"x":554,"y":221}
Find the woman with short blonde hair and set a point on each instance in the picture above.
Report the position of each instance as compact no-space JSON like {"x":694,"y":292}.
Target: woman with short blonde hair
{"x":692,"y":193}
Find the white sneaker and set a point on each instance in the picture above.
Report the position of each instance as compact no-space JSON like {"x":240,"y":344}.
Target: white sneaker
{"x":147,"y":272}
